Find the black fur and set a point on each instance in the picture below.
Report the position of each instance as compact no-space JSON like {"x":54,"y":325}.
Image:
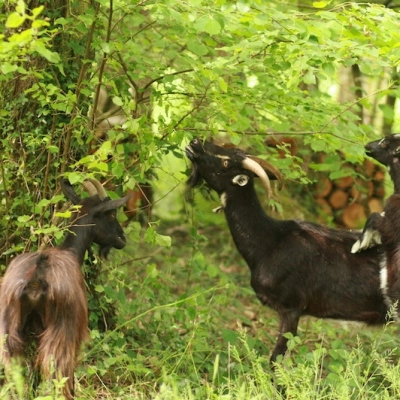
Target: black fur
{"x":297,"y":268}
{"x":386,"y":229}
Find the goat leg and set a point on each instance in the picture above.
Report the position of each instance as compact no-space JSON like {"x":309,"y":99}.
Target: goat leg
{"x":289,"y":320}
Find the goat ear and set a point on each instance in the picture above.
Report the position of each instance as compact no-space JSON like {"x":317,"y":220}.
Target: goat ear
{"x":241,"y":180}
{"x":111,"y":204}
{"x":69,"y":192}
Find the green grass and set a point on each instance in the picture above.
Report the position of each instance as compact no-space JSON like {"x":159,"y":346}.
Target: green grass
{"x":188,"y":326}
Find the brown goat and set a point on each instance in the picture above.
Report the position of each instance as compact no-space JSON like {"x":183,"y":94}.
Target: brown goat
{"x":42,"y":295}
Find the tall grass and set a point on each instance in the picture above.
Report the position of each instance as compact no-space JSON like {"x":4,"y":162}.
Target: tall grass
{"x":188,"y":326}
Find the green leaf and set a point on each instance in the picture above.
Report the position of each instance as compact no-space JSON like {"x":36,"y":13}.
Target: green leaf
{"x":20,"y":8}
{"x":320,"y":4}
{"x":152,"y":237}
{"x":36,"y":11}
{"x":329,"y":68}
{"x":191,"y":311}
{"x":197,"y":47}
{"x":15,"y":20}
{"x":99,"y":288}
{"x":208,"y":25}
{"x":6,"y":68}
{"x":222,"y":84}
{"x":212,"y":271}
{"x":66,"y":214}
{"x":23,"y":218}
{"x":152,"y":271}
{"x":339,"y":174}
{"x":163,"y":240}
{"x":61,"y":21}
{"x":117,"y":101}
{"x":309,"y":78}
{"x":105,"y":47}
{"x":230,"y":336}
{"x":46,"y":53}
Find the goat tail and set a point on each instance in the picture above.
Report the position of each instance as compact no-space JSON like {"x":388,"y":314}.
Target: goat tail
{"x":21,"y":289}
{"x":65,"y":319}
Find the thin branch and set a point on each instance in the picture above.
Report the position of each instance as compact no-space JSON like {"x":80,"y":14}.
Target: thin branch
{"x":350,"y":106}
{"x":85,"y":65}
{"x":102,"y":66}
{"x":164,"y":76}
{"x":253,"y":133}
{"x":131,"y":260}
{"x":82,"y":73}
{"x":125,"y":69}
{"x":187,"y":114}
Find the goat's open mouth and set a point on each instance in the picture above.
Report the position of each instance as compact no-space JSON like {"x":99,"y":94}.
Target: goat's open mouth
{"x":194,"y":178}
{"x":368,"y":152}
{"x":189,"y":152}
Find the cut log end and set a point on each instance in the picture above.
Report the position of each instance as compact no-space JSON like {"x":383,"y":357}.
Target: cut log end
{"x":353,"y":216}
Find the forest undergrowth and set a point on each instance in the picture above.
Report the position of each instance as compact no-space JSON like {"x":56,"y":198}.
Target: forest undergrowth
{"x":188,"y":326}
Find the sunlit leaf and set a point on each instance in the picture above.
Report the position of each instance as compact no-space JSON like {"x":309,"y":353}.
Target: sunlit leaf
{"x":15,"y":20}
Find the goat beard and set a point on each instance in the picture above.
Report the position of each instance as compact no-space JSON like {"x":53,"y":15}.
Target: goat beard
{"x":104,"y":251}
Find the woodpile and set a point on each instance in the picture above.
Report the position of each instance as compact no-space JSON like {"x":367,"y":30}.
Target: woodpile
{"x":346,"y":201}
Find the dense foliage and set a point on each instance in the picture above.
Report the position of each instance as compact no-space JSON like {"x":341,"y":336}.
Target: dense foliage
{"x":322,"y":73}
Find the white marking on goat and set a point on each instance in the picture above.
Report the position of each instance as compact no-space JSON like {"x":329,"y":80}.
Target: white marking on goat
{"x":223,"y":200}
{"x":241,"y":180}
{"x":369,"y":238}
{"x":220,"y":156}
{"x":384,"y":281}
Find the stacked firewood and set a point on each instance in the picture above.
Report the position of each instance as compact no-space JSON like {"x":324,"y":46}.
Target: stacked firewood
{"x":351,"y":200}
{"x":346,"y":201}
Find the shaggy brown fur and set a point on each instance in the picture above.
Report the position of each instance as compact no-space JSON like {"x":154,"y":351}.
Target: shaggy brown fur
{"x":42,"y":295}
{"x":43,"y":299}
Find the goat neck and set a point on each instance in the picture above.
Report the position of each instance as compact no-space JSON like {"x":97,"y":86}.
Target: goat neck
{"x":230,"y":172}
{"x":394,"y":171}
{"x":247,"y":220}
{"x":79,"y":237}
{"x":387,"y":152}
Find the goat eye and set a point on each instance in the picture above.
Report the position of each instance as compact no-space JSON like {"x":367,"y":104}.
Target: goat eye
{"x":383,"y":144}
{"x":225,"y":163}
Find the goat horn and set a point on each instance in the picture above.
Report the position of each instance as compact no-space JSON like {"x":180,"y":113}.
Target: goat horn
{"x":270,"y":168}
{"x":256,"y":168}
{"x":89,"y":187}
{"x":100,"y":191}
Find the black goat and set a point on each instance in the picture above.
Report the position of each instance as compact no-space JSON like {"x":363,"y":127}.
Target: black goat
{"x":297,"y":268}
{"x":384,"y":228}
{"x":42,"y":295}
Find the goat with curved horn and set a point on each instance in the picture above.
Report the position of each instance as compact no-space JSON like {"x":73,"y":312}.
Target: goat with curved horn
{"x":267,"y":166}
{"x":99,"y":188}
{"x":259,"y":168}
{"x":297,"y":267}
{"x":43,"y":296}
{"x":89,"y":187}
